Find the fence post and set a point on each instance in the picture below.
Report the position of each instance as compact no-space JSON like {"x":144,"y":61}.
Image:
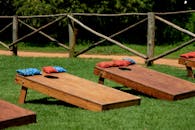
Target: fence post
{"x":72,"y":38}
{"x":15,"y":34}
{"x":150,"y":37}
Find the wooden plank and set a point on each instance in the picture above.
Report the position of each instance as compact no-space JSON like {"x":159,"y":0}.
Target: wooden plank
{"x":12,"y":115}
{"x":189,"y":63}
{"x":23,"y":93}
{"x":148,"y":81}
{"x":78,"y":91}
{"x":14,"y":48}
{"x":150,"y":37}
{"x":72,"y":38}
{"x":107,"y":38}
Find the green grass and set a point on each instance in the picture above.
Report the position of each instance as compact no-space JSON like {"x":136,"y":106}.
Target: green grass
{"x":152,"y":114}
{"x":109,"y":49}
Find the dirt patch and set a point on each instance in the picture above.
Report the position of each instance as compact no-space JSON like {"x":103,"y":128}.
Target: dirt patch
{"x":170,"y":62}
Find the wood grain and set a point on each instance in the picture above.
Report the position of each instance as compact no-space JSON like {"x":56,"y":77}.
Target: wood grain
{"x":149,"y":82}
{"x":78,"y":91}
{"x":12,"y":115}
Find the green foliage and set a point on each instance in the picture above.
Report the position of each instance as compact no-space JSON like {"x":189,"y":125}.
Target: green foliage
{"x":33,"y":7}
{"x":6,"y":7}
{"x":36,"y":7}
{"x":164,"y":33}
{"x":191,"y":24}
{"x":100,"y":24}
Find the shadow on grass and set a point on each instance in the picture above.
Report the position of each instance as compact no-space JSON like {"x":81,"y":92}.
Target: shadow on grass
{"x":132,"y":91}
{"x":49,"y":101}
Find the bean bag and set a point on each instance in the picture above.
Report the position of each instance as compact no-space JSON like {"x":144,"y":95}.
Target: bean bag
{"x":53,"y":69}
{"x":188,"y":55}
{"x":60,"y":69}
{"x":28,"y":71}
{"x":130,"y":60}
{"x":105,"y":64}
{"x":49,"y":69}
{"x":116,"y":63}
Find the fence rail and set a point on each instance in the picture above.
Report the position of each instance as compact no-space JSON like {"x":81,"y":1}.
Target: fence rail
{"x":150,"y":17}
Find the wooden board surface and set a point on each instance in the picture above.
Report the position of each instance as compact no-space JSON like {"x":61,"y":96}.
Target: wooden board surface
{"x":12,"y":115}
{"x":78,"y":91}
{"x":187,"y":61}
{"x":149,"y":82}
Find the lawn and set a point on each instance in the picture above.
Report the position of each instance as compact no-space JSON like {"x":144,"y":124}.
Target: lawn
{"x":109,"y":49}
{"x":152,"y":114}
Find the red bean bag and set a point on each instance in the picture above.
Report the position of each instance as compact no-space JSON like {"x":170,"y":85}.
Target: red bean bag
{"x":115,"y":63}
{"x":188,"y":55}
{"x":105,"y":64}
{"x":118,"y":63}
{"x":49,"y":69}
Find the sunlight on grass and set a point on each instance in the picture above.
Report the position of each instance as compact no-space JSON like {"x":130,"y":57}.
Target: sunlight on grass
{"x":52,"y":114}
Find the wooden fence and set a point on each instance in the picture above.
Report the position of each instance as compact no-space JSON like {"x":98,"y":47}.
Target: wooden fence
{"x":150,"y":18}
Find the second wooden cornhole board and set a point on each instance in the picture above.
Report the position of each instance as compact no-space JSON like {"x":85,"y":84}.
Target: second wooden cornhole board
{"x":12,"y":115}
{"x":189,"y":63}
{"x":77,"y":91}
{"x":148,"y":81}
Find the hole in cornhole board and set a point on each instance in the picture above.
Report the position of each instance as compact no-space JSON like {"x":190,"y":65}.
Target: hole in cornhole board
{"x":51,"y":76}
{"x":125,"y":68}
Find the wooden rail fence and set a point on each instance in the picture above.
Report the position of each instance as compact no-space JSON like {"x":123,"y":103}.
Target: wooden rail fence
{"x":150,"y":18}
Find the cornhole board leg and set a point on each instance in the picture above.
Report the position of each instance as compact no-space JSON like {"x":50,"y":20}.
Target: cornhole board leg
{"x":12,"y":115}
{"x":189,"y":63}
{"x":147,"y":81}
{"x":23,"y":93}
{"x":189,"y":72}
{"x":101,"y":80}
{"x":77,"y":91}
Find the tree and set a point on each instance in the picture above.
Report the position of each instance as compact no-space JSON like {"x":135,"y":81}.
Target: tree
{"x":104,"y":24}
{"x":42,"y":7}
{"x":6,"y":7}
{"x":166,"y":34}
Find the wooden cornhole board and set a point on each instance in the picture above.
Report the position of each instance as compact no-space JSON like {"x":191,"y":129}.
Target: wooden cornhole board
{"x":12,"y":115}
{"x":148,"y":81}
{"x":77,"y":91}
{"x":189,"y":63}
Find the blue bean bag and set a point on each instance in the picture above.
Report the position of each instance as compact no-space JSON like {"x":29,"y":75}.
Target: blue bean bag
{"x":28,"y":71}
{"x":130,"y":60}
{"x":60,"y":69}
